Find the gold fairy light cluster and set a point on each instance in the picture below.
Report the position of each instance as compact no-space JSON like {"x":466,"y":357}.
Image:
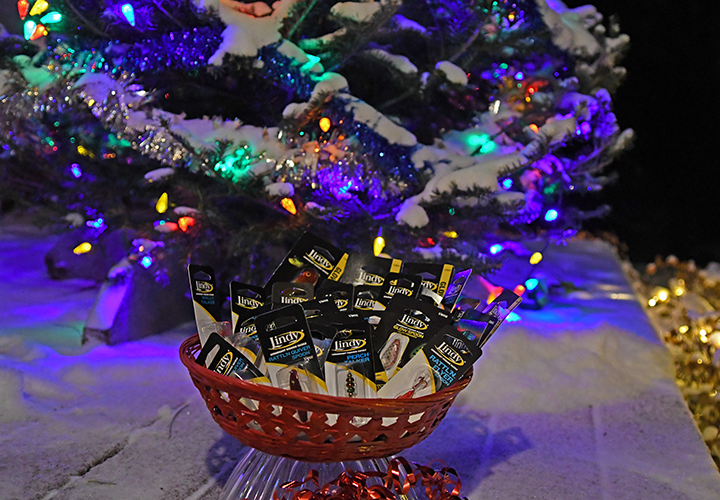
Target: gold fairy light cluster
{"x":684,"y":304}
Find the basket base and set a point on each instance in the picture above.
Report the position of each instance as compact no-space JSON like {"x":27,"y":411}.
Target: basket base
{"x":257,"y":475}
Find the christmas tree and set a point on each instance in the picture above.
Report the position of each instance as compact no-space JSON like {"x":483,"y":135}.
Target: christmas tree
{"x":220,"y":131}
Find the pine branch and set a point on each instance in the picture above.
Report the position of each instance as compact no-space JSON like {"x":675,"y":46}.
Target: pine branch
{"x":305,"y":13}
{"x":172,"y":18}
{"x":466,"y":45}
{"x":87,"y":23}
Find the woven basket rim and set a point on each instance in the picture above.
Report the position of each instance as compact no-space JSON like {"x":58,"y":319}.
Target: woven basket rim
{"x":319,"y":402}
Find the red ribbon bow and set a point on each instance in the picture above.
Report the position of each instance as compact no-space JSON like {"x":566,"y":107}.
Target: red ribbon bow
{"x":399,"y":478}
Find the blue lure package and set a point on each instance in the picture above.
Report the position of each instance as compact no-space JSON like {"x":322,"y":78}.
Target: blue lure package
{"x":441,"y":362}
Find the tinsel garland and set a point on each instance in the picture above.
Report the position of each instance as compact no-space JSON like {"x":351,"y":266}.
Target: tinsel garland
{"x":683,"y":302}
{"x":399,"y":478}
{"x":187,"y":49}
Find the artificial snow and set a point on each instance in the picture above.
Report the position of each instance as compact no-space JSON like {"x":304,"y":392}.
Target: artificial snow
{"x":356,"y":11}
{"x":289,"y":49}
{"x":557,"y":129}
{"x":280,"y":189}
{"x":576,"y":400}
{"x":35,"y":77}
{"x":452,"y":170}
{"x":159,"y":174}
{"x":186,"y":211}
{"x":400,"y":63}
{"x":569,"y":27}
{"x":453,"y":73}
{"x":404,"y":23}
{"x":204,"y":134}
{"x":366,"y":114}
{"x":412,"y":214}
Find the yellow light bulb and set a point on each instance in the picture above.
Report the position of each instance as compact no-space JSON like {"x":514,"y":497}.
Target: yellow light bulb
{"x":39,"y":7}
{"x":652,"y":302}
{"x":162,"y":204}
{"x":82,"y":248}
{"x":288,"y":205}
{"x":679,"y":291}
{"x":536,"y":258}
{"x":683,"y":329}
{"x":451,"y":234}
{"x":325,"y":123}
{"x":85,"y":151}
{"x":378,"y":245}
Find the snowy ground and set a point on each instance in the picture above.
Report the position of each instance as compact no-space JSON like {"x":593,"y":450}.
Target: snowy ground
{"x":575,"y":401}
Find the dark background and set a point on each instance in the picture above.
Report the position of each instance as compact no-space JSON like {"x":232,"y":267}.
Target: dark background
{"x":665,"y":200}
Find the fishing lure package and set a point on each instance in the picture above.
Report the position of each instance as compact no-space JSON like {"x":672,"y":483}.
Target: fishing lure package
{"x":408,"y":285}
{"x":219,"y":356}
{"x":342,"y":293}
{"x":311,"y":260}
{"x":206,"y":304}
{"x":455,"y":288}
{"x":246,"y":301}
{"x":369,"y":298}
{"x":284,"y":293}
{"x":406,"y":326}
{"x":441,"y":362}
{"x":245,"y":340}
{"x":288,"y":349}
{"x":362,"y":269}
{"x":435,"y":277}
{"x":486,"y":322}
{"x":318,"y":308}
{"x":349,"y":369}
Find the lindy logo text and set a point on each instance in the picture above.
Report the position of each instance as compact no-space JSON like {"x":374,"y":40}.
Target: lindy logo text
{"x":318,"y":259}
{"x":408,"y":320}
{"x":450,"y":354}
{"x":286,"y":339}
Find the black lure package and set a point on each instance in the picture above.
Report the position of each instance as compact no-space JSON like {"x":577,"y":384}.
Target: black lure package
{"x":369,"y":298}
{"x":401,"y":284}
{"x":246,"y":301}
{"x":221,"y":357}
{"x":406,"y":326}
{"x":486,"y":322}
{"x":362,"y":269}
{"x":342,"y":293}
{"x":310,"y":260}
{"x":435,"y":277}
{"x":206,"y":304}
{"x":284,"y":293}
{"x":349,"y":369}
{"x":317,"y":308}
{"x":288,"y":349}
{"x":455,"y":288}
{"x":442,"y":361}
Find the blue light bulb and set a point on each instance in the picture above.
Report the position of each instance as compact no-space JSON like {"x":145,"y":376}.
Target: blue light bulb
{"x":129,"y":13}
{"x":507,"y":183}
{"x":531,"y":284}
{"x":496,"y":248}
{"x":551,"y":215}
{"x":76,"y":170}
{"x":146,"y":261}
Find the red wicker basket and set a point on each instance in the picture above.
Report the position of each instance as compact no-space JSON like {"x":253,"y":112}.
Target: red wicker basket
{"x":311,"y":427}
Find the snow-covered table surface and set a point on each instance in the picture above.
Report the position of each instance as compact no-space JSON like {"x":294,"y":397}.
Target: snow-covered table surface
{"x":574,"y":401}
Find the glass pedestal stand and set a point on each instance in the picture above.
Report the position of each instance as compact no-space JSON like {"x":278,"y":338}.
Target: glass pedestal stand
{"x":257,"y":475}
